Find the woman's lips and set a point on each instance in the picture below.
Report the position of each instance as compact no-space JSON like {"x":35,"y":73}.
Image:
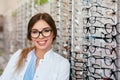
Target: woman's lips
{"x":42,"y":43}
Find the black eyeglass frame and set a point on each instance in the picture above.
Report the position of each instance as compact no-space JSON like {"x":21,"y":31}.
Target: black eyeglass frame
{"x":40,"y":32}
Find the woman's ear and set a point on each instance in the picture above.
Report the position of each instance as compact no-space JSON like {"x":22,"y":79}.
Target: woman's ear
{"x":53,"y":37}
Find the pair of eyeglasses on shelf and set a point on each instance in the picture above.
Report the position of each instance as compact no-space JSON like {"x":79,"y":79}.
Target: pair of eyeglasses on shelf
{"x":86,"y":2}
{"x":109,"y":49}
{"x":92,"y":68}
{"x":110,"y":2}
{"x":100,"y":8}
{"x":92,"y":29}
{"x":108,"y":61}
{"x":108,"y":38}
{"x":77,"y":69}
{"x":115,"y":37}
{"x":97,"y":69}
{"x":115,"y":73}
{"x":109,"y":27}
{"x":112,"y":61}
{"x":94,"y":59}
{"x":65,"y":11}
{"x":94,"y":77}
{"x":111,"y":73}
{"x":76,"y":77}
{"x":66,"y":32}
{"x":77,"y":11}
{"x":78,"y":61}
{"x":77,"y":55}
{"x":63,"y":5}
{"x":76,"y":23}
{"x":97,"y":9}
{"x":90,"y":48}
{"x":99,"y":19}
{"x":103,"y":71}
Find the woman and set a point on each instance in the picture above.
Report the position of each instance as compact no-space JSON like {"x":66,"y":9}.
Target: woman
{"x":39,"y":62}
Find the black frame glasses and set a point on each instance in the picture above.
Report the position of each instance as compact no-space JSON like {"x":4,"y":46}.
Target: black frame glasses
{"x":45,"y":33}
{"x":110,"y":27}
{"x":109,"y":49}
{"x":108,"y":61}
{"x":92,"y":29}
{"x":108,"y":38}
{"x":97,"y":8}
{"x":94,"y":19}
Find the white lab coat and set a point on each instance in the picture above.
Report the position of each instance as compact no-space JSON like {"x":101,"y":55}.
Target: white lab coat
{"x":52,"y":67}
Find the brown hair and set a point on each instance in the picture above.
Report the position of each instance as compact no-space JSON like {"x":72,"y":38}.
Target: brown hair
{"x":40,"y":16}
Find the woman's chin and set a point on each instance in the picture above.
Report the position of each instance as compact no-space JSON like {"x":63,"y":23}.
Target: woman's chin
{"x":43,"y":47}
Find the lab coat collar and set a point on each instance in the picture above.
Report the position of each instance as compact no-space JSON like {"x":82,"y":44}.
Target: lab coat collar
{"x":46,"y":56}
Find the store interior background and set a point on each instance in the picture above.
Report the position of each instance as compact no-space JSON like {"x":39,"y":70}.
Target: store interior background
{"x":69,"y":16}
{"x":5,"y":8}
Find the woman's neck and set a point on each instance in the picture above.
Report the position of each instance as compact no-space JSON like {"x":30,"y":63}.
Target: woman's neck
{"x":40,"y":53}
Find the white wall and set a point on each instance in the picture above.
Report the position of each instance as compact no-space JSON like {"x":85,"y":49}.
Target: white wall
{"x":6,"y":5}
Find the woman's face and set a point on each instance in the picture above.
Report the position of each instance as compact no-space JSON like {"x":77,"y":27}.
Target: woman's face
{"x":42,"y":35}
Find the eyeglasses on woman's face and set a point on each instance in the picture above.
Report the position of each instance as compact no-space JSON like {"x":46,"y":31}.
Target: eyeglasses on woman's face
{"x":36,"y":33}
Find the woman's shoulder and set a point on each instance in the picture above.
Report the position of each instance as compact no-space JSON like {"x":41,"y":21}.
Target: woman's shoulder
{"x":17,"y":52}
{"x":61,"y":62}
{"x":60,"y":58}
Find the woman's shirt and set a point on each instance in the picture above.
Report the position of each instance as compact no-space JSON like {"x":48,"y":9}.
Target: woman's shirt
{"x":29,"y":73}
{"x":52,"y":67}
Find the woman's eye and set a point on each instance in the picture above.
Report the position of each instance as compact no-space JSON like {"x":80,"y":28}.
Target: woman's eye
{"x":34,"y":32}
{"x":47,"y":30}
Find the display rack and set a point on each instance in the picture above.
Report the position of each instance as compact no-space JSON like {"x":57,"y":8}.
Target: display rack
{"x":88,"y":35}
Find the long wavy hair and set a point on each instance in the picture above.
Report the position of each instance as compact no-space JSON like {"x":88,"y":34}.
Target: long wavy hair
{"x":40,"y":16}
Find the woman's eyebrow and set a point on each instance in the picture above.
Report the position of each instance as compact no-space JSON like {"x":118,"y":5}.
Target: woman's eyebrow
{"x":47,"y":28}
{"x":43,"y":28}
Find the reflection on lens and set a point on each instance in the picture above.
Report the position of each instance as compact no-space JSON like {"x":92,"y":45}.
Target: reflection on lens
{"x":92,"y":20}
{"x":92,"y":49}
{"x":108,"y":61}
{"x":85,"y":48}
{"x":108,"y":38}
{"x":108,"y":28}
{"x":118,"y":27}
{"x":85,"y":29}
{"x":117,"y":62}
{"x":107,"y":72}
{"x":117,"y":38}
{"x":92,"y":30}
{"x":107,"y":49}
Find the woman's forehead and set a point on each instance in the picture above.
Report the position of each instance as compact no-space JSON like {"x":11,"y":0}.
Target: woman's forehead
{"x":41,"y":24}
